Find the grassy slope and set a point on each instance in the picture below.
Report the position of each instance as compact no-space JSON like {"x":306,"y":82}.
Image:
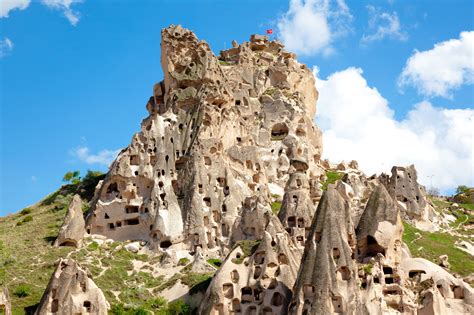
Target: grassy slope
{"x":28,"y":259}
{"x":431,"y":245}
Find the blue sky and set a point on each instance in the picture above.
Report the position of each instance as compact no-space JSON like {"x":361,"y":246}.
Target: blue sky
{"x":75,"y":77}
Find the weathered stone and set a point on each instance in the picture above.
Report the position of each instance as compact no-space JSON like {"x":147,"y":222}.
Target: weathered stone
{"x":71,"y":291}
{"x":72,"y":230}
{"x":327,"y":279}
{"x":210,"y":142}
{"x":5,"y":303}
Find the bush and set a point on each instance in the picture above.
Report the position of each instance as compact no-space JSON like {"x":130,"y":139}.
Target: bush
{"x":183,"y":261}
{"x":25,"y":211}
{"x":22,"y":291}
{"x":276,"y":205}
{"x":331,"y":178}
{"x":72,"y":177}
{"x":215,"y":262}
{"x":178,"y":307}
{"x":462,"y":189}
{"x":28,"y":218}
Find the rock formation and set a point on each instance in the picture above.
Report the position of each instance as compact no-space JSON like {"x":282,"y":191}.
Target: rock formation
{"x":226,"y":137}
{"x":327,"y":279}
{"x":71,"y":291}
{"x":219,"y":130}
{"x":72,"y":230}
{"x":5,"y":304}
{"x":257,"y":284}
{"x":410,"y":196}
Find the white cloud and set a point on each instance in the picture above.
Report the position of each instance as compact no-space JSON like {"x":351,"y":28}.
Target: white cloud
{"x":383,"y":24}
{"x":65,"y":7}
{"x":104,"y":157}
{"x":8,"y":5}
{"x":439,"y":71}
{"x":310,"y":26}
{"x":6,"y":46}
{"x":358,"y":124}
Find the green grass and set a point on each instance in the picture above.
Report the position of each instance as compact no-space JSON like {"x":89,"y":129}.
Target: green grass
{"x":27,"y":259}
{"x":215,"y":262}
{"x":183,"y":261}
{"x":331,"y":178}
{"x":468,"y":206}
{"x":248,"y":248}
{"x":26,"y":219}
{"x":225,"y":63}
{"x":25,"y":211}
{"x":431,"y":245}
{"x":276,"y":206}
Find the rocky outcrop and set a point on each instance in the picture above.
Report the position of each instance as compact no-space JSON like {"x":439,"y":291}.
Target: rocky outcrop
{"x":327,"y":279}
{"x":259,"y":283}
{"x":72,"y":231}
{"x":220,"y":130}
{"x":380,"y":228}
{"x":5,"y":303}
{"x":410,"y":196}
{"x":298,"y":206}
{"x":71,"y":291}
{"x":437,"y":290}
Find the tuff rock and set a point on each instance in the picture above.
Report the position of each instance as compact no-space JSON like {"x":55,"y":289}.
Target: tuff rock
{"x":227,"y":139}
{"x":72,"y":229}
{"x":71,"y":291}
{"x":5,"y":304}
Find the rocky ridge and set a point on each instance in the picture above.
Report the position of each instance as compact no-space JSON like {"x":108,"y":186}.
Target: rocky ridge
{"x":227,"y":138}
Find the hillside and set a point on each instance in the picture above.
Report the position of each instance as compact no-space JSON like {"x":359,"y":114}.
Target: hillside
{"x":222,"y":204}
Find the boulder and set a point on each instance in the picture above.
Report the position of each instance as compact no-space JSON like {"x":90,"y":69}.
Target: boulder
{"x":72,"y":230}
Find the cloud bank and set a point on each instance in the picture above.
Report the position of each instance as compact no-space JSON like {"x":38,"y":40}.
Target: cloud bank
{"x":310,"y":26}
{"x":65,"y":6}
{"x":439,"y":71}
{"x":8,"y":5}
{"x":359,"y":124}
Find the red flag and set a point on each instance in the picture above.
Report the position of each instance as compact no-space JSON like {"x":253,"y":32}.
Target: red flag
{"x":269,"y":31}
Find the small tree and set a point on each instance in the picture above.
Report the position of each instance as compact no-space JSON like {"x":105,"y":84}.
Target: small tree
{"x":72,"y":177}
{"x":462,"y":189}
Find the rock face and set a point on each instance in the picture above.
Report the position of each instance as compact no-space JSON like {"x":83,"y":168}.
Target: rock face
{"x":260,"y":283}
{"x":227,"y":138}
{"x":380,"y":228}
{"x":327,"y":279}
{"x":72,"y":230}
{"x":219,"y":130}
{"x":5,"y":304}
{"x":411,"y":197}
{"x":71,"y":291}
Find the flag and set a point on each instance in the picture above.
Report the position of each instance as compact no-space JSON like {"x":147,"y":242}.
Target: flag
{"x":269,"y":31}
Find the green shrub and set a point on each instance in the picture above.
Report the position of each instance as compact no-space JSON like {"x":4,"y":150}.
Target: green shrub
{"x":25,"y":211}
{"x":26,"y":219}
{"x":215,"y":262}
{"x":331,"y":178}
{"x":22,"y":290}
{"x":276,"y":206}
{"x":183,"y":261}
{"x":178,"y":307}
{"x":368,"y":268}
{"x":93,"y":246}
